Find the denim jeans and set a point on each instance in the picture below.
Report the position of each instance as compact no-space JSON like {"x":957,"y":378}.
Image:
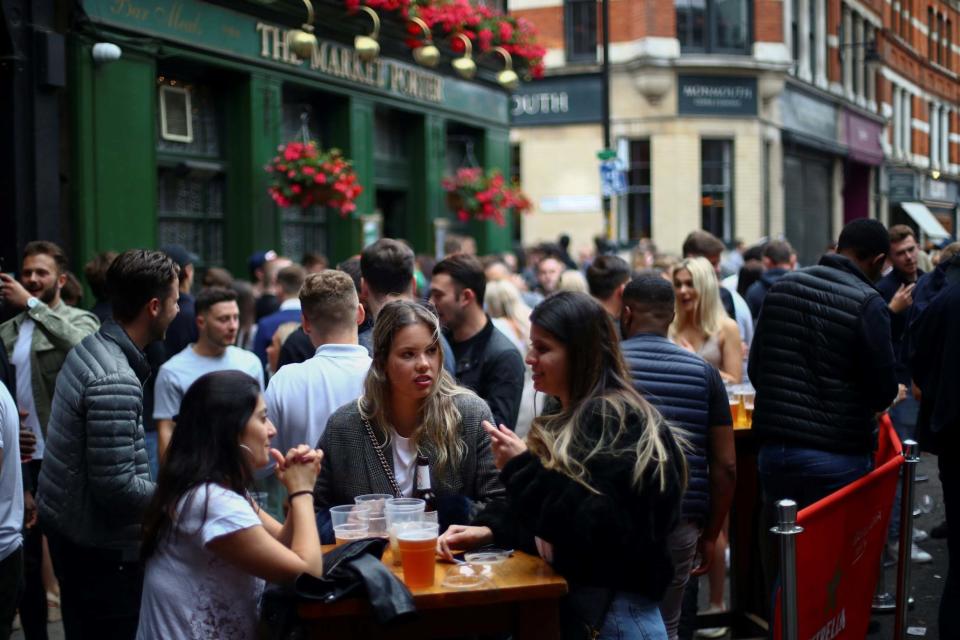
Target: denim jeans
{"x":806,"y":475}
{"x":633,"y":617}
{"x":904,"y":418}
{"x":683,"y":548}
{"x":153,"y":453}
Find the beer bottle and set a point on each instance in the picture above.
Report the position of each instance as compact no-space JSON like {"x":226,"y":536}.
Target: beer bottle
{"x":424,"y":490}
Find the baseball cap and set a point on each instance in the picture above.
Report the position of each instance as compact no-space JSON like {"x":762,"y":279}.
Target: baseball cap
{"x":260,"y":258}
{"x":180,"y":255}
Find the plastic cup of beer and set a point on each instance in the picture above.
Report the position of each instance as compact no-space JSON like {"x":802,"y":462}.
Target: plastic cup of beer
{"x":378,"y":521}
{"x":418,"y":549}
{"x":349,"y":514}
{"x":398,"y":511}
{"x":350,"y":531}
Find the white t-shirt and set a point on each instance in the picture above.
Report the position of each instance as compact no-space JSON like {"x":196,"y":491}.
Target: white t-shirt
{"x":188,"y":591}
{"x":301,"y":396}
{"x":11,"y":482}
{"x":404,"y":463}
{"x":24,"y":369}
{"x":182,"y":370}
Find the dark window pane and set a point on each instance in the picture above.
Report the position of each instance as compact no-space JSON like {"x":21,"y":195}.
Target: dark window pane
{"x":732,"y":20}
{"x":716,"y":187}
{"x":580,"y":17}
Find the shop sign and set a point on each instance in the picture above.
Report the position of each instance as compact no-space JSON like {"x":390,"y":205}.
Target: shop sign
{"x":901,"y":185}
{"x":939,"y":190}
{"x":558,"y":100}
{"x":862,"y":137}
{"x":230,"y":33}
{"x":808,"y":115}
{"x":717,"y":96}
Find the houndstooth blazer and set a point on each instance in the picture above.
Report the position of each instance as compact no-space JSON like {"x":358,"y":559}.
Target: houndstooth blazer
{"x":352,"y":468}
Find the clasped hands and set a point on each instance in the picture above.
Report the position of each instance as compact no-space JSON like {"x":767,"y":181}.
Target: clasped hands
{"x":298,"y":470}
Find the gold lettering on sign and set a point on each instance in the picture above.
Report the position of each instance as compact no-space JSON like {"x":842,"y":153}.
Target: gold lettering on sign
{"x":129,"y":9}
{"x":176,"y":21}
{"x":338,"y":61}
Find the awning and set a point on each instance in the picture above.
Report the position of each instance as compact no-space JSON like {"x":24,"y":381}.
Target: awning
{"x":926,"y":220}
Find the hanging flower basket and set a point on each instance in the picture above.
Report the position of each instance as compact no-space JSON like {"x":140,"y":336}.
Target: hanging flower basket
{"x":473,"y":194}
{"x":304,"y":176}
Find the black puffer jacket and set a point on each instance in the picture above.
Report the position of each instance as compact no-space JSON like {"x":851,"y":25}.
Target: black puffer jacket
{"x":616,"y":538}
{"x":95,"y":482}
{"x":822,"y":360}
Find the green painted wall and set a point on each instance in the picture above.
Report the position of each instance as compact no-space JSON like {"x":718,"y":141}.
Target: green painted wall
{"x":114,"y":189}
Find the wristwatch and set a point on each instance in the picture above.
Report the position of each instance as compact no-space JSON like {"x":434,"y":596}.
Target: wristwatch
{"x":32,"y":302}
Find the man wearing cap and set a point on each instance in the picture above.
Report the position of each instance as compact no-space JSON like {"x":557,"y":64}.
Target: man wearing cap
{"x":183,"y":329}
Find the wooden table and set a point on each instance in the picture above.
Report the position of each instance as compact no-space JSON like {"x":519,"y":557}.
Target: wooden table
{"x":524,"y":599}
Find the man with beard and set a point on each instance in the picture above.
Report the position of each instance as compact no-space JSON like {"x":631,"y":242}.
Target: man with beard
{"x":37,"y":341}
{"x":95,"y":484}
{"x":218,"y":320}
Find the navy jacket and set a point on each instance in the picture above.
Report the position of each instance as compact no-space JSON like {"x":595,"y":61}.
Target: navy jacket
{"x":689,"y":392}
{"x":887,"y":286}
{"x":758,"y":290}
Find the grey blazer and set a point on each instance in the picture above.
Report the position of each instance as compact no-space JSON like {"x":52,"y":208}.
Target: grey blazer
{"x":351,"y":467}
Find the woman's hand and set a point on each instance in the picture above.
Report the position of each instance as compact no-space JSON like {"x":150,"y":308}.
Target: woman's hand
{"x":506,"y":444}
{"x":461,"y":537}
{"x":544,"y":548}
{"x":298,"y":471}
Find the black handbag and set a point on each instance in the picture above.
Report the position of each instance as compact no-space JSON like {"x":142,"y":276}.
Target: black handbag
{"x":583,"y":612}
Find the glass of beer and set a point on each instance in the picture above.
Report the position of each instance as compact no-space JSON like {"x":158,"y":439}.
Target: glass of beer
{"x":418,"y":550}
{"x":349,"y":520}
{"x":376,"y":502}
{"x":350,"y":531}
{"x":397,"y":512}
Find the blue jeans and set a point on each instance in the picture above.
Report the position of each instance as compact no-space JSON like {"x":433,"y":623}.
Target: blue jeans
{"x":904,"y":418}
{"x":153,"y":453}
{"x":806,"y":475}
{"x":633,"y":617}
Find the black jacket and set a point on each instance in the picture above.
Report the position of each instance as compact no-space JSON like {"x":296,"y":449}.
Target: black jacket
{"x":758,"y":290}
{"x":490,"y":365}
{"x":821,"y":359}
{"x":616,"y":538}
{"x":887,"y":286}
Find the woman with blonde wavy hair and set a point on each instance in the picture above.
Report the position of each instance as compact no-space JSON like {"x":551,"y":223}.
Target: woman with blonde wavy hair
{"x":596,"y":487}
{"x":410,"y":407}
{"x":509,"y":312}
{"x":700,"y":324}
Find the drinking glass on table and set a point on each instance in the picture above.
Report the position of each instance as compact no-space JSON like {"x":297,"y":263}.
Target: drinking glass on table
{"x":398,"y":512}
{"x":418,"y":545}
{"x":350,"y":522}
{"x":377,"y":521}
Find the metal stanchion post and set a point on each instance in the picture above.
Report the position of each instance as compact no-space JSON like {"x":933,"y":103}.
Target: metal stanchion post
{"x":787,"y":530}
{"x":911,"y":459}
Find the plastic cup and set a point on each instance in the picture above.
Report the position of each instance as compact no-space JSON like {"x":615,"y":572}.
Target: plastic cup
{"x":376,"y":502}
{"x":418,"y":550}
{"x":349,"y":514}
{"x":401,"y":511}
{"x":350,"y":531}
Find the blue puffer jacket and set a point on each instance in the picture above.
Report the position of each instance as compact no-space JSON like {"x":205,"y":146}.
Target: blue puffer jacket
{"x":679,"y":384}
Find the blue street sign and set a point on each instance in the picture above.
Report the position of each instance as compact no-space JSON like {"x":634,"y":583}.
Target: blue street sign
{"x":613,"y":180}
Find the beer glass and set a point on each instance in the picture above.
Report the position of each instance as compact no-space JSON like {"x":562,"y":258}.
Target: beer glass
{"x":418,"y":550}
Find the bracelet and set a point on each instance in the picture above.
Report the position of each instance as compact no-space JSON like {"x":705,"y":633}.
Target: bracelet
{"x":305,"y":492}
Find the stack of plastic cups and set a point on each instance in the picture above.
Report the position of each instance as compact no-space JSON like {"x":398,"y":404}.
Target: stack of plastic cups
{"x":399,"y":512}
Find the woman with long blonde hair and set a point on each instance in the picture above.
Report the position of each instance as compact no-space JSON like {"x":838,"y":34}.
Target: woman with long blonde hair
{"x":509,"y":312}
{"x":700,"y":324}
{"x":410,"y":407}
{"x":596,"y":487}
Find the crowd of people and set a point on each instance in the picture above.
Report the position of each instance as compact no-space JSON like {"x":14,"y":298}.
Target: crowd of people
{"x":170,"y":451}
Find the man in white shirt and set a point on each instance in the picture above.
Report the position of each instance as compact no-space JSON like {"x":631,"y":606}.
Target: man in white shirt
{"x":302,"y":396}
{"x":11,"y":512}
{"x":218,"y":320}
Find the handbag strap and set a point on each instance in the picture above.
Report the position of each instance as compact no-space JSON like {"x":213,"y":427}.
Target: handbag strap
{"x":378,"y":448}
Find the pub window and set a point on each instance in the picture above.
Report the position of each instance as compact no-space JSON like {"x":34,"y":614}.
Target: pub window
{"x":940,"y":38}
{"x":716,"y":187}
{"x":931,"y":54}
{"x":934,"y":120}
{"x":638,"y":195}
{"x":303,"y":229}
{"x":580,"y":25}
{"x":191,"y":169}
{"x":721,"y":26}
{"x":947,"y":44}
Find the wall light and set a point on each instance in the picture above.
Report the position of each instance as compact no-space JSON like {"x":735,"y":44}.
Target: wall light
{"x":465,"y":66}
{"x":367,"y":47}
{"x":302,"y":41}
{"x":105,"y":52}
{"x":426,"y":55}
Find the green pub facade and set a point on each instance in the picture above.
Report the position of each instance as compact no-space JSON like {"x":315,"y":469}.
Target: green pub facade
{"x":168,"y":143}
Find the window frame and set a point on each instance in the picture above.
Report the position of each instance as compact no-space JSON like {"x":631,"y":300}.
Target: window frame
{"x":710,"y":29}
{"x":640,"y":191}
{"x":728,"y":167}
{"x":569,"y":24}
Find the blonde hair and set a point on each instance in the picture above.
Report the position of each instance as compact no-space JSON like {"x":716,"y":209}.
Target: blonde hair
{"x":599,"y":384}
{"x":283,"y":332}
{"x":503,"y":301}
{"x":439,"y":417}
{"x":573,"y":280}
{"x":709,"y":314}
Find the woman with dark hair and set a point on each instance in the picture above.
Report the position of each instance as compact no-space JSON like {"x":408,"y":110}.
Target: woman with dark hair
{"x":208,"y":547}
{"x":410,"y":407}
{"x":596,"y":487}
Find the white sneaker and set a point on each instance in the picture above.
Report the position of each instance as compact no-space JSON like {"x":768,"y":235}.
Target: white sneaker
{"x":919,"y":535}
{"x":917,"y":554}
{"x":712,"y":632}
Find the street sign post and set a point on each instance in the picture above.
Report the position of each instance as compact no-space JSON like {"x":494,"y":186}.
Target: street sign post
{"x":613,"y":179}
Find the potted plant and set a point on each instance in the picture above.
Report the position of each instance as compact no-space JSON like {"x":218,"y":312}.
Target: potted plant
{"x":478,"y":195}
{"x":304,"y":176}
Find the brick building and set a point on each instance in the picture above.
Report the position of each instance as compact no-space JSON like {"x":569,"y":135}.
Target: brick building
{"x":749,"y":118}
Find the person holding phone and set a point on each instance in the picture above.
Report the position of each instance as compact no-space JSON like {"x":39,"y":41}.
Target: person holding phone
{"x":208,"y":547}
{"x":596,"y":487}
